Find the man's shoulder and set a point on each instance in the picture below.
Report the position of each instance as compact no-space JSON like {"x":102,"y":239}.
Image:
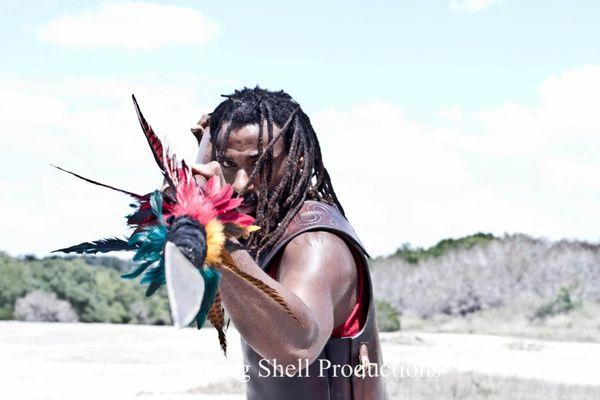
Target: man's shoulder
{"x":322,"y":250}
{"x":320,"y":216}
{"x":320,"y":242}
{"x":316,"y":225}
{"x":315,"y":229}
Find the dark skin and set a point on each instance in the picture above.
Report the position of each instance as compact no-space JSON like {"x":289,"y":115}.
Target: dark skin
{"x":316,"y":273}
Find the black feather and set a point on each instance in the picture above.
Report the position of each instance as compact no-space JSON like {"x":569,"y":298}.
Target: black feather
{"x":136,"y":196}
{"x":98,"y":246}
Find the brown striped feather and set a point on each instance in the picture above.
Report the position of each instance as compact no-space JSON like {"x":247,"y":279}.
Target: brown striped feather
{"x":229,"y":263}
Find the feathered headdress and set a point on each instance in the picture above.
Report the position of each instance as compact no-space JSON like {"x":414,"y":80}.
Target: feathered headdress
{"x":179,"y":236}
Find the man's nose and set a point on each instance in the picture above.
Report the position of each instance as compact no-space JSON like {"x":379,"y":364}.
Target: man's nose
{"x":241,"y":183}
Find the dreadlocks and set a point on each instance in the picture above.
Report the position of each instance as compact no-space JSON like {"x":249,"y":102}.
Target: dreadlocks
{"x":304,"y":176}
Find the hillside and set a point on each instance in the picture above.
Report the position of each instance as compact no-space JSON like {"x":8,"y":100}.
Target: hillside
{"x":516,"y":279}
{"x":478,"y":283}
{"x":70,"y":289}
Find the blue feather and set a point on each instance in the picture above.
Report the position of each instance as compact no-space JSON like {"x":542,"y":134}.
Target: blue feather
{"x":154,"y":274}
{"x":211,"y":284}
{"x":150,"y":244}
{"x":137,"y":270}
{"x":156,"y":201}
{"x":149,"y":250}
{"x":155,"y":277}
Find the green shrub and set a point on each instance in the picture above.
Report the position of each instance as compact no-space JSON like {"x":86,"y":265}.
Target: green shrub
{"x":15,"y":281}
{"x":562,"y":304}
{"x":388,"y":318}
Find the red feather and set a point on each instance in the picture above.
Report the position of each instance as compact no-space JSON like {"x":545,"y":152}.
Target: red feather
{"x":164,"y":163}
{"x":208,"y":202}
{"x":153,"y":140}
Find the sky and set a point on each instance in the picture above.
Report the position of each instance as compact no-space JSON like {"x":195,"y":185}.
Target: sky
{"x":436,"y":119}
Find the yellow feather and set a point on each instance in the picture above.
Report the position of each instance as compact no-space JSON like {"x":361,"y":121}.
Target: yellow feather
{"x":249,"y":230}
{"x":215,"y":241}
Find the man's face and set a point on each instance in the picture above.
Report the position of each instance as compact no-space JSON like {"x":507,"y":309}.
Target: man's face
{"x":239,"y":158}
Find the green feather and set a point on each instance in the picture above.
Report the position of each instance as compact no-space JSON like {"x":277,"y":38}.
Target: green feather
{"x":156,"y":202}
{"x":149,"y":244}
{"x":211,"y":284}
{"x":137,"y":270}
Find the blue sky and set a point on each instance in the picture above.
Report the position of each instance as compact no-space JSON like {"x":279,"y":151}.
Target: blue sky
{"x":451,"y":116}
{"x":421,"y":55}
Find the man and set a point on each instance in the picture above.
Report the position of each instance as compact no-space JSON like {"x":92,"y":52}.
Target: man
{"x":264,"y":145}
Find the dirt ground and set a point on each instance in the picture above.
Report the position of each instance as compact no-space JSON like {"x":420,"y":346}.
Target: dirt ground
{"x":101,"y":361}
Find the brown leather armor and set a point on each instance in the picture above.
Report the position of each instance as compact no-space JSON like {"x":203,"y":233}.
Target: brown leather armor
{"x":318,"y":382}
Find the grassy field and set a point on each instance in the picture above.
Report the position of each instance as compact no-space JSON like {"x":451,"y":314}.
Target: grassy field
{"x":493,"y":318}
{"x":580,"y":325}
{"x":474,"y":386}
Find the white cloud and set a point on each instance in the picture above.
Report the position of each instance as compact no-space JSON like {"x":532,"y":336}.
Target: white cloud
{"x":513,"y":168}
{"x":382,"y":140}
{"x":472,"y":5}
{"x":29,"y":108}
{"x":93,"y":133}
{"x":566,"y":114}
{"x":569,"y":175}
{"x":451,"y":114}
{"x":129,"y":25}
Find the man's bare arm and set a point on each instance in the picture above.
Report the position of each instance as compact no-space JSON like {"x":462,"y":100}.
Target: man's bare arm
{"x":316,"y":279}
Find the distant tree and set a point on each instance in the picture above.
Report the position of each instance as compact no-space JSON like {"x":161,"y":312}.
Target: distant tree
{"x":96,"y":292}
{"x":15,"y":280}
{"x":118,"y":264}
{"x":413,"y":255}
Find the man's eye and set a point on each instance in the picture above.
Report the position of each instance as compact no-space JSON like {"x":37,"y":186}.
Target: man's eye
{"x":227,"y":164}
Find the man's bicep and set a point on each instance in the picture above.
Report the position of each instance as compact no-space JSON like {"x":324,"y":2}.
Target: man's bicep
{"x":319,"y":268}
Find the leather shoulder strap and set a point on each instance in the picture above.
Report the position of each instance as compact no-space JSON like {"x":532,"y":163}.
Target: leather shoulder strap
{"x":312,"y":216}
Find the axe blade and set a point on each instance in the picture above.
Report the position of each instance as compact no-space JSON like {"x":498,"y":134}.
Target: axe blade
{"x":185,"y":286}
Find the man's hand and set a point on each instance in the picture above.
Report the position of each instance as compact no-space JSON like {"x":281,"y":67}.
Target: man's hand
{"x":201,"y":127}
{"x":204,"y":169}
{"x":200,"y":130}
{"x":207,"y":171}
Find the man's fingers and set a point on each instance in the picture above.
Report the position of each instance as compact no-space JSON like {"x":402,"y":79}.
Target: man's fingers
{"x":204,"y":149}
{"x":204,"y":169}
{"x":204,"y":120}
{"x":198,"y":132}
{"x":209,"y":170}
{"x":202,"y":127}
{"x":200,"y":180}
